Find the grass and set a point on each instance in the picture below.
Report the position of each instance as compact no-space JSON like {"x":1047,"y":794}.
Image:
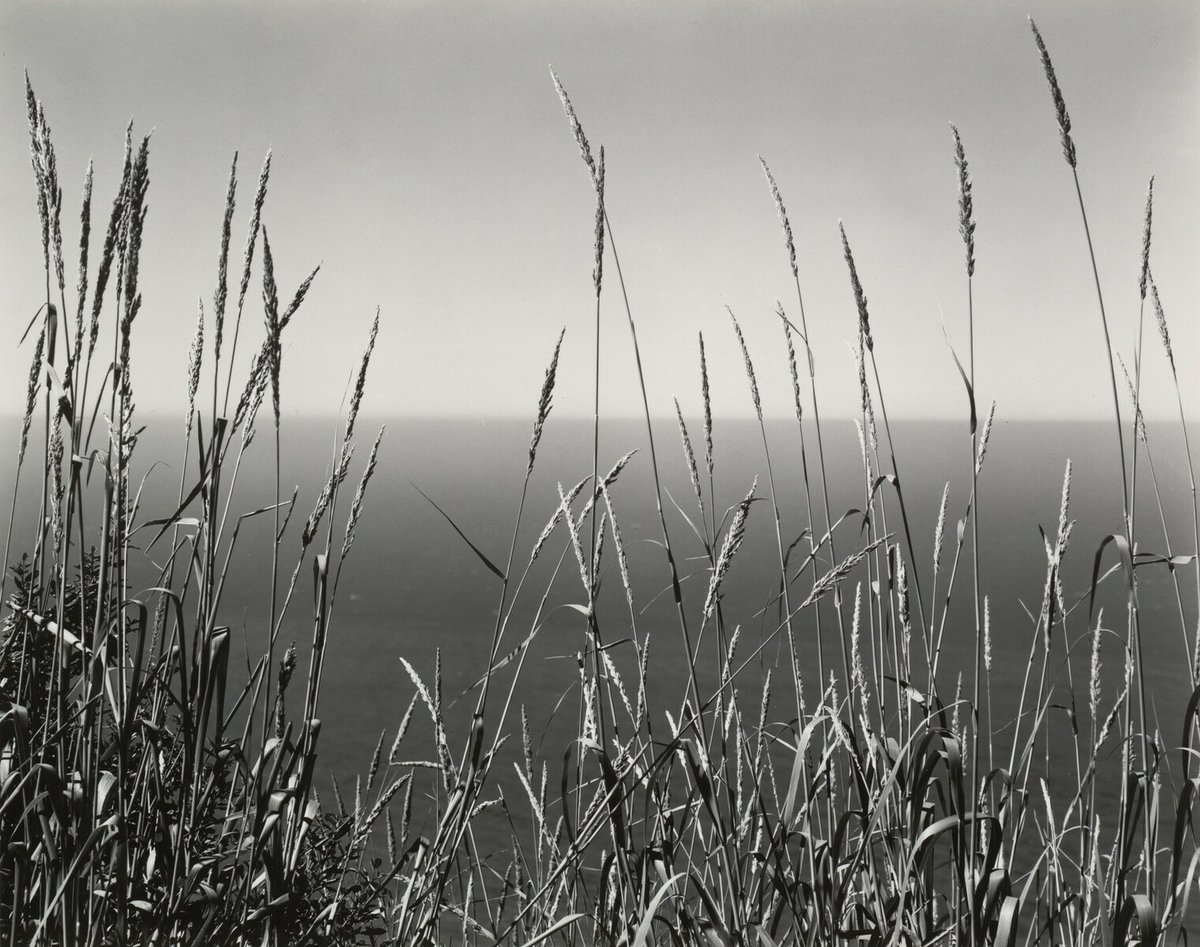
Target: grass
{"x":149,"y":793}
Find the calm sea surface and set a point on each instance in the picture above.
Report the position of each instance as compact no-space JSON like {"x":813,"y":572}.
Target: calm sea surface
{"x":412,"y":588}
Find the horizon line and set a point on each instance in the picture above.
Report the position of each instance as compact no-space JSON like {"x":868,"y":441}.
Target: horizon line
{"x":320,"y":415}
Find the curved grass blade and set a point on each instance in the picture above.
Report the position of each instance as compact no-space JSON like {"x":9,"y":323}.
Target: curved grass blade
{"x":475,"y":549}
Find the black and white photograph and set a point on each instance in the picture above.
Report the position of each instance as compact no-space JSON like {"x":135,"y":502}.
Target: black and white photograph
{"x":563,"y":473}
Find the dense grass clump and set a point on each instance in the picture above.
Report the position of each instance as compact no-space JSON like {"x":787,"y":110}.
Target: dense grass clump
{"x":150,"y":792}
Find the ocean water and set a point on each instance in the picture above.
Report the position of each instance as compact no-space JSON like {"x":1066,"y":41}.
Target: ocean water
{"x":412,"y":588}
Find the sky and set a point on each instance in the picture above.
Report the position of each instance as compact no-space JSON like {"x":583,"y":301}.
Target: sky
{"x":421,"y":156}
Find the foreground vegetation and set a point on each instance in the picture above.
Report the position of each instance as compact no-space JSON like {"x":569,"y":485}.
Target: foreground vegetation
{"x":149,"y":795}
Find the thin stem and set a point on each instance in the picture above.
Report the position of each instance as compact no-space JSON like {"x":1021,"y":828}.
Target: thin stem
{"x":676,"y":590}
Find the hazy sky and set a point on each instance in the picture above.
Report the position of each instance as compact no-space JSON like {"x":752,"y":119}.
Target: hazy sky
{"x":420,"y":154}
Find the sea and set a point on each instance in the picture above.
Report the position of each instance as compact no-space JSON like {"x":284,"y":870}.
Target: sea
{"x":445,"y":495}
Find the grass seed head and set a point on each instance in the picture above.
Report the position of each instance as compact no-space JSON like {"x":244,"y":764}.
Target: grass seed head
{"x":966,"y":218}
{"x":135,"y":220}
{"x":902,"y":590}
{"x":195,"y":356}
{"x":1145,"y":271}
{"x":609,"y":479}
{"x":545,"y":400}
{"x":858,"y":680}
{"x":749,"y":365}
{"x":940,"y":530}
{"x":1161,"y":318}
{"x":298,"y":298}
{"x":689,"y":454}
{"x":1060,"y":106}
{"x":622,"y":562}
{"x":983,"y":439}
{"x":271,"y":316}
{"x":733,"y":542}
{"x":987,"y":634}
{"x":544,"y":536}
{"x":860,"y":299}
{"x":222,"y":291}
{"x":708,"y":424}
{"x":260,"y":195}
{"x":35,"y":117}
{"x":576,"y":543}
{"x":31,"y":390}
{"x":598,"y":265}
{"x":53,"y":197}
{"x":783,"y":217}
{"x":360,"y":382}
{"x":85,"y":231}
{"x":357,"y":504}
{"x":585,"y":149}
{"x":111,"y":241}
{"x":1139,"y":421}
{"x":864,"y":392}
{"x":33,"y":114}
{"x":791,"y":356}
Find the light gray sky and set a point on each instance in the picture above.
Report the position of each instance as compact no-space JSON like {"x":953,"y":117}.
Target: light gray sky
{"x":421,"y":154}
